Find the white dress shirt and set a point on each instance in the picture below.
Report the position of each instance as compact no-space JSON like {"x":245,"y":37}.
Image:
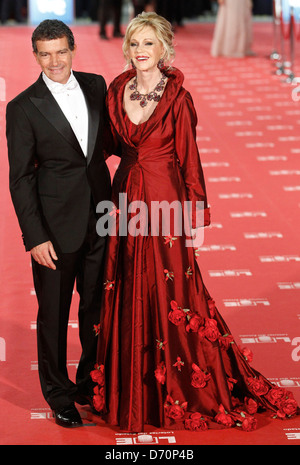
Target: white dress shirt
{"x":71,"y":100}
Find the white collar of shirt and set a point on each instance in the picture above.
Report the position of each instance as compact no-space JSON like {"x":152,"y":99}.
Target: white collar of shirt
{"x":57,"y":87}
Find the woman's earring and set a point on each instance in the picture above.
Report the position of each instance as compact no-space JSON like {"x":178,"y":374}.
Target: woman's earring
{"x":161,"y":64}
{"x":132,"y":64}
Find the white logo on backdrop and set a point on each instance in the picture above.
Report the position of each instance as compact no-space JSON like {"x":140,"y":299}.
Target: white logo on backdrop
{"x":291,"y":436}
{"x":230,"y":273}
{"x":264,"y":338}
{"x":246,"y":302}
{"x":58,"y":7}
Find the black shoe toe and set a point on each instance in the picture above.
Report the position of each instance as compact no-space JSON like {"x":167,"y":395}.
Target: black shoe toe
{"x":68,"y":417}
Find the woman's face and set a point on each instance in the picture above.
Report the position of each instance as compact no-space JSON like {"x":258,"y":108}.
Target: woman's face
{"x":145,"y":50}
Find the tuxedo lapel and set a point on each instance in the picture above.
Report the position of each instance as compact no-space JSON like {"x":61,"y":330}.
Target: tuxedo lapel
{"x":47,"y":105}
{"x":89,"y":88}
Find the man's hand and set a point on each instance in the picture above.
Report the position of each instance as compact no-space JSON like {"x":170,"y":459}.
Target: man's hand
{"x":44,"y":254}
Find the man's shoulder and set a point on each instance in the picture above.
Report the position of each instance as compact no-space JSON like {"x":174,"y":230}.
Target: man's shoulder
{"x":89,"y":78}
{"x":87,"y":75}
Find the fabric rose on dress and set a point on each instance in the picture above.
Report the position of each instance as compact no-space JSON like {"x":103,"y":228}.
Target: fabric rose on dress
{"x":189,"y":272}
{"x":276,"y":394}
{"x":174,"y":410}
{"x":96,"y":329}
{"x":177,"y":316}
{"x":231,"y":382}
{"x":250,"y":405}
{"x":258,"y":386}
{"x":97,"y":375}
{"x":108,"y":285}
{"x":212,"y":307}
{"x":179,"y":364}
{"x":197,"y":252}
{"x":199,"y":378}
{"x":169,"y":240}
{"x":247,"y":353}
{"x":287,"y":408}
{"x":168,"y":275}
{"x":196,"y":422}
{"x":98,"y":398}
{"x":160,"y":372}
{"x":114,"y":212}
{"x":225,"y":341}
{"x":246,"y":422}
{"x":195,"y":322}
{"x":160,"y":344}
{"x":209,"y":330}
{"x":284,"y":401}
{"x":224,"y":417}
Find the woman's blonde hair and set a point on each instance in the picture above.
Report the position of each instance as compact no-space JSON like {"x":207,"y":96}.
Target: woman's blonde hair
{"x":162,"y":29}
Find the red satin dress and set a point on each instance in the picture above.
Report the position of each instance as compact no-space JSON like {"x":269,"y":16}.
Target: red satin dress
{"x":165,"y":355}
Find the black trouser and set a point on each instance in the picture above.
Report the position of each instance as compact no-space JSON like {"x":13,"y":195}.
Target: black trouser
{"x":106,"y":7}
{"x":54,"y":289}
{"x":11,"y":6}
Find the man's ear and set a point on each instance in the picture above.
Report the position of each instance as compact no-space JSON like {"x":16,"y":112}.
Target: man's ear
{"x":74,"y":51}
{"x":36,"y":57}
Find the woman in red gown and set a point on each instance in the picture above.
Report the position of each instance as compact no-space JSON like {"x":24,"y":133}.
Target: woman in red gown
{"x":165,"y":356}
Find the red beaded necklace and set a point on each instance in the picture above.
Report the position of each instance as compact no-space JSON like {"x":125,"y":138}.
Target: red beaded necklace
{"x":145,"y":98}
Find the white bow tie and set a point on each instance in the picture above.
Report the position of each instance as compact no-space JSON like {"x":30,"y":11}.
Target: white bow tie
{"x":61,"y":88}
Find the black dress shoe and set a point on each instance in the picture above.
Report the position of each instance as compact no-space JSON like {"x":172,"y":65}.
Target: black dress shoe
{"x":68,"y":417}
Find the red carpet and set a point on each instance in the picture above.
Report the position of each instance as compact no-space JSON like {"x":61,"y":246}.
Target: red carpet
{"x":248,"y":136}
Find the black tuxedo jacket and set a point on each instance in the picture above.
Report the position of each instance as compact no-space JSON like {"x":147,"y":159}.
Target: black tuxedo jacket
{"x":51,"y":181}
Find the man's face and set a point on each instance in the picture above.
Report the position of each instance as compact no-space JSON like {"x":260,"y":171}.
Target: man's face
{"x":55,"y":58}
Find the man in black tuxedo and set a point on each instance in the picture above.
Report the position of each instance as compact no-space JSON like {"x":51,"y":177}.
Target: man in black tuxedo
{"x":55,"y":134}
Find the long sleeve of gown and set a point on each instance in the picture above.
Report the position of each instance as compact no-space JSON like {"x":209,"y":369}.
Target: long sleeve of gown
{"x":111,"y":143}
{"x":189,"y":159}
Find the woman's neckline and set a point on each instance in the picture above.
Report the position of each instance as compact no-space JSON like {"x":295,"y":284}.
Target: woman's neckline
{"x":153,"y":112}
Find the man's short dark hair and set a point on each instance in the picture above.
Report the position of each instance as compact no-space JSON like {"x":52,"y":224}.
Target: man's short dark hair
{"x":51,"y":29}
